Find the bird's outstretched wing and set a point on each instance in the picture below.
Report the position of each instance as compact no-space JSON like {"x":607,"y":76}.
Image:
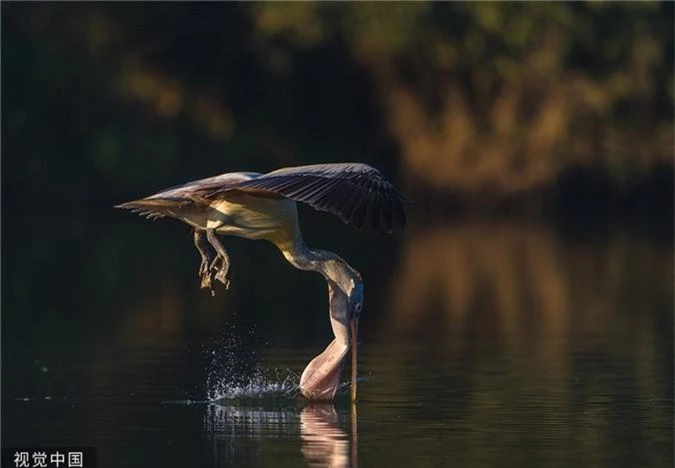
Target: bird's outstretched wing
{"x":357,"y":193}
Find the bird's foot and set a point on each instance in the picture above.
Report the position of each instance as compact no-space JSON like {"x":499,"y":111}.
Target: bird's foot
{"x":204,"y":268}
{"x":221,"y":264}
{"x":220,"y":268}
{"x":222,"y":277}
{"x":206,"y":281}
{"x":205,"y":274}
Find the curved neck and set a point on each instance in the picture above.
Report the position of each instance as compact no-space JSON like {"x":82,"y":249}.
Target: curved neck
{"x":330,"y":265}
{"x":321,"y":377}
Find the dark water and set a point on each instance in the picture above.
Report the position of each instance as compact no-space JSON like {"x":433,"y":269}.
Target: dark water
{"x":483,"y":344}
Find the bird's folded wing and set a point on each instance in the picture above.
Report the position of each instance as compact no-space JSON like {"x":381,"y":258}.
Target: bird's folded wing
{"x":356,"y":193}
{"x":155,"y":208}
{"x":168,"y":201}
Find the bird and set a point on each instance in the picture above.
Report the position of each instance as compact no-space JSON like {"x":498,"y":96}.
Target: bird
{"x":263,"y":206}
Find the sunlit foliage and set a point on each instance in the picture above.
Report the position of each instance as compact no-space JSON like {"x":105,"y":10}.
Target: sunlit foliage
{"x":506,"y":95}
{"x":486,"y":100}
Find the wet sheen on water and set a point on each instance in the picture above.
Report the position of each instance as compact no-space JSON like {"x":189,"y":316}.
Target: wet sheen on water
{"x":483,"y":344}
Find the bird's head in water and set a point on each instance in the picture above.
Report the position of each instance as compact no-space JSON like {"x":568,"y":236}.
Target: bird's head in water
{"x":321,"y":378}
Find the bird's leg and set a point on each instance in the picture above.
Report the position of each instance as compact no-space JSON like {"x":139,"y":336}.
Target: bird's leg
{"x":216,"y":262}
{"x":204,"y":270}
{"x":222,"y":258}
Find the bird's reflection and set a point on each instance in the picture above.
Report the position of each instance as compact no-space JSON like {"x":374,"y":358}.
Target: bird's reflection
{"x":324,"y":442}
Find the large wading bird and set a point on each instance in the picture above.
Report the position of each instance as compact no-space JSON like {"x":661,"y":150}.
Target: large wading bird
{"x":263,"y":206}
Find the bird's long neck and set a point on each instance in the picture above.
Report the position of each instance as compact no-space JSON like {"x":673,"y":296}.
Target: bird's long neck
{"x":330,"y":265}
{"x":320,"y":379}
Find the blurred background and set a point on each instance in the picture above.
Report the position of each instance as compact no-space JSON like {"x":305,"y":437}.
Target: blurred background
{"x":524,"y":315}
{"x":485,"y":103}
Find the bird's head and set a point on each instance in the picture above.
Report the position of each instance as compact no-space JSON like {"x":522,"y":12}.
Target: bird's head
{"x":356,"y":299}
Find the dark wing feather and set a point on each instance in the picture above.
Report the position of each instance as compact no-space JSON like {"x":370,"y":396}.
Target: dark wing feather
{"x":356,"y":193}
{"x":169,"y":201}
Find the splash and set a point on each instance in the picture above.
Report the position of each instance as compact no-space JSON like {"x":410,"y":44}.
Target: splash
{"x":265,"y":383}
{"x":234,"y":371}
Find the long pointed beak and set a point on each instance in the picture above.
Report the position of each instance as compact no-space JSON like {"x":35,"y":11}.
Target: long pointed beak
{"x":354,"y":327}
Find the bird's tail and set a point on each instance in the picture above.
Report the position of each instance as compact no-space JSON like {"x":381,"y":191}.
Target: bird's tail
{"x":150,"y":208}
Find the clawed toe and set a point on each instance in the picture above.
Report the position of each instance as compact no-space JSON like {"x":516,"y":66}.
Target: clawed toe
{"x":212,"y":267}
{"x":206,"y":276}
{"x":222,"y":277}
{"x":219,"y":269}
{"x":206,"y":280}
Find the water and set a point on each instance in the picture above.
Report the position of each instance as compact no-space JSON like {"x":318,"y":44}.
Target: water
{"x":484,"y":343}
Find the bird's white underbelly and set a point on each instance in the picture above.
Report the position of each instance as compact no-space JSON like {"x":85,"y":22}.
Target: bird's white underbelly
{"x":248,"y":216}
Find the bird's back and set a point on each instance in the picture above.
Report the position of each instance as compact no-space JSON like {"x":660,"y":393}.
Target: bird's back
{"x":188,"y":189}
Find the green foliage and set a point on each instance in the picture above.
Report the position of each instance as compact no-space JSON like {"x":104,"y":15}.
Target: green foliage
{"x":111,"y":99}
{"x":533,"y":89}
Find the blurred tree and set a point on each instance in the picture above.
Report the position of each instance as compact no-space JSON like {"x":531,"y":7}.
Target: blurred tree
{"x":501,"y":98}
{"x":485,"y":100}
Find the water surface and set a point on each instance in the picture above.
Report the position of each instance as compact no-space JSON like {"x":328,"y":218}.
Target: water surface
{"x":483,"y":344}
